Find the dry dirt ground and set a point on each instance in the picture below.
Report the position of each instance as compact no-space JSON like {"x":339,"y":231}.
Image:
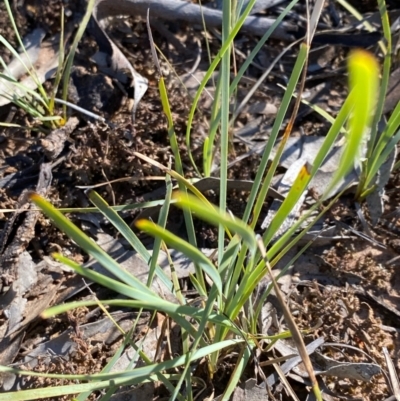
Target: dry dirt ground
{"x":345,"y":290}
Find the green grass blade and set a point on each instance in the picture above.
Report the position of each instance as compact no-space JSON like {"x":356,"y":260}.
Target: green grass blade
{"x":169,"y":308}
{"x":24,"y":89}
{"x":88,"y":245}
{"x":171,"y":134}
{"x":384,"y":81}
{"x":294,"y":78}
{"x":226,"y":45}
{"x":143,"y":300}
{"x":61,"y":58}
{"x":30,"y":71}
{"x":162,"y":222}
{"x":175,"y":149}
{"x":295,"y":192}
{"x":332,"y":135}
{"x":363,"y":81}
{"x":71,"y":54}
{"x":225,"y":73}
{"x":105,"y":281}
{"x":115,"y":219}
{"x":227,"y":263}
{"x":237,"y":374}
{"x":209,"y":143}
{"x":300,"y":61}
{"x":216,"y":217}
{"x":187,"y":249}
{"x":387,"y":142}
{"x":185,"y":375}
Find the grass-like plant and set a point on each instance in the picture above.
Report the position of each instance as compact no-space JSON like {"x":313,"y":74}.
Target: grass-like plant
{"x":227,"y":317}
{"x":381,"y":143}
{"x":36,"y":102}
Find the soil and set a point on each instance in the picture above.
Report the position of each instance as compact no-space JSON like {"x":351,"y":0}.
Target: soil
{"x":353,"y":299}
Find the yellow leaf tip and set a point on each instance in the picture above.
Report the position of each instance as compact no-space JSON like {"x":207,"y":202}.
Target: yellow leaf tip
{"x":140,"y":224}
{"x":33,"y":196}
{"x":363,"y":58}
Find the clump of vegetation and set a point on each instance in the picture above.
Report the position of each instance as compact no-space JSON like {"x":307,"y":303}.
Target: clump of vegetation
{"x":227,"y":314}
{"x":30,"y":95}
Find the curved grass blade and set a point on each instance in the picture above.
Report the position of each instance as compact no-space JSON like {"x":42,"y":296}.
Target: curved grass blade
{"x":181,"y":245}
{"x":171,"y":309}
{"x":107,"y":282}
{"x":88,"y":245}
{"x":216,"y":217}
{"x":24,"y":90}
{"x":145,"y":302}
{"x":363,"y":82}
{"x":115,"y":219}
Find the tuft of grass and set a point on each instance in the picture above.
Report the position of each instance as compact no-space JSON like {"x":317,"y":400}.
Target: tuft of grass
{"x":37,"y":103}
{"x":227,"y":316}
{"x":213,"y":328}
